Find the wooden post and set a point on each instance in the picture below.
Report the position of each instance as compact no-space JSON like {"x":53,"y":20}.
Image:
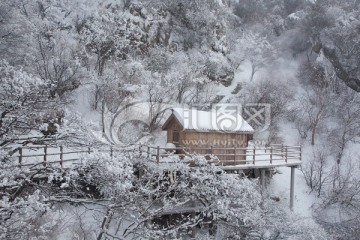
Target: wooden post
{"x":292,"y":185}
{"x":158,"y":154}
{"x":111,"y":151}
{"x":193,"y":228}
{"x":254,"y":155}
{"x":148,"y":152}
{"x":300,"y":153}
{"x":20,"y":157}
{"x":61,"y":156}
{"x":286,"y":154}
{"x":271,"y":157}
{"x":45,"y":155}
{"x":262,"y":173}
{"x":89,"y":150}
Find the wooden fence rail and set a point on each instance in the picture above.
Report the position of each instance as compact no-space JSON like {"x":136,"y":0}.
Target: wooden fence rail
{"x":271,"y":154}
{"x":44,"y":155}
{"x":250,"y":155}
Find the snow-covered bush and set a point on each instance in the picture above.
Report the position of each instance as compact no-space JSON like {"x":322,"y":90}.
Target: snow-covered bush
{"x":137,"y":198}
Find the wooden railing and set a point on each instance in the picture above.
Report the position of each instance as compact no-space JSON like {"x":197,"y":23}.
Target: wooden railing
{"x":45,"y":155}
{"x":216,"y":155}
{"x":233,"y":156}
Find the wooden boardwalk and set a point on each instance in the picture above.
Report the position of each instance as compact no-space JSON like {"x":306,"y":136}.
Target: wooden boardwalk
{"x":254,"y":157}
{"x":54,"y":155}
{"x":240,"y":158}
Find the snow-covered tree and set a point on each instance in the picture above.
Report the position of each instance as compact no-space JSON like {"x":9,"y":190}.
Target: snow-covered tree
{"x":142,"y":199}
{"x":23,"y":100}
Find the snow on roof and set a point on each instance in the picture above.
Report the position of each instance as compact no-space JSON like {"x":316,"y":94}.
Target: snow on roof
{"x":194,"y":119}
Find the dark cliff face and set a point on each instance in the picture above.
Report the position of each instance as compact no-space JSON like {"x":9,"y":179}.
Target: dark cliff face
{"x":343,"y":71}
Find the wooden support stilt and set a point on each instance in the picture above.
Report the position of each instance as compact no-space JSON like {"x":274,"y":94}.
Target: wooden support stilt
{"x":140,"y":150}
{"x":262,"y":176}
{"x":292,"y":188}
{"x":20,"y":157}
{"x":45,"y":155}
{"x":61,"y":156}
{"x":158,"y":154}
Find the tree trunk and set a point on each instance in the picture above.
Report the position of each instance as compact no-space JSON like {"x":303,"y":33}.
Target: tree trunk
{"x":313,"y":136}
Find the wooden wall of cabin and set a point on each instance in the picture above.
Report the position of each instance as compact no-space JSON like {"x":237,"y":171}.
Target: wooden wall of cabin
{"x":217,"y":140}
{"x":192,"y":138}
{"x":173,"y":125}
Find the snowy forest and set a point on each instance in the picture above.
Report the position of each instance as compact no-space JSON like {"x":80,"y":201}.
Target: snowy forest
{"x":68,"y":68}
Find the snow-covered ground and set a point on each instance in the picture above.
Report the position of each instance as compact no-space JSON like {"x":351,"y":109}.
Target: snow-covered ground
{"x":280,"y":187}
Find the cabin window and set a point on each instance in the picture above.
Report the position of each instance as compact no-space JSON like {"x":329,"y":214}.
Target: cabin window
{"x":176,"y":136}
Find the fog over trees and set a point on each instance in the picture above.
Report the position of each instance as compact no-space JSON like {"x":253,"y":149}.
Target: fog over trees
{"x":68,"y":67}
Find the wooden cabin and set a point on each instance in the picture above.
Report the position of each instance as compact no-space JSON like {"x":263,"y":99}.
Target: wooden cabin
{"x":201,"y":132}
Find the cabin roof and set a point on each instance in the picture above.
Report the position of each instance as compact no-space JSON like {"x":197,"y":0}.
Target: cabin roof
{"x":205,"y":121}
